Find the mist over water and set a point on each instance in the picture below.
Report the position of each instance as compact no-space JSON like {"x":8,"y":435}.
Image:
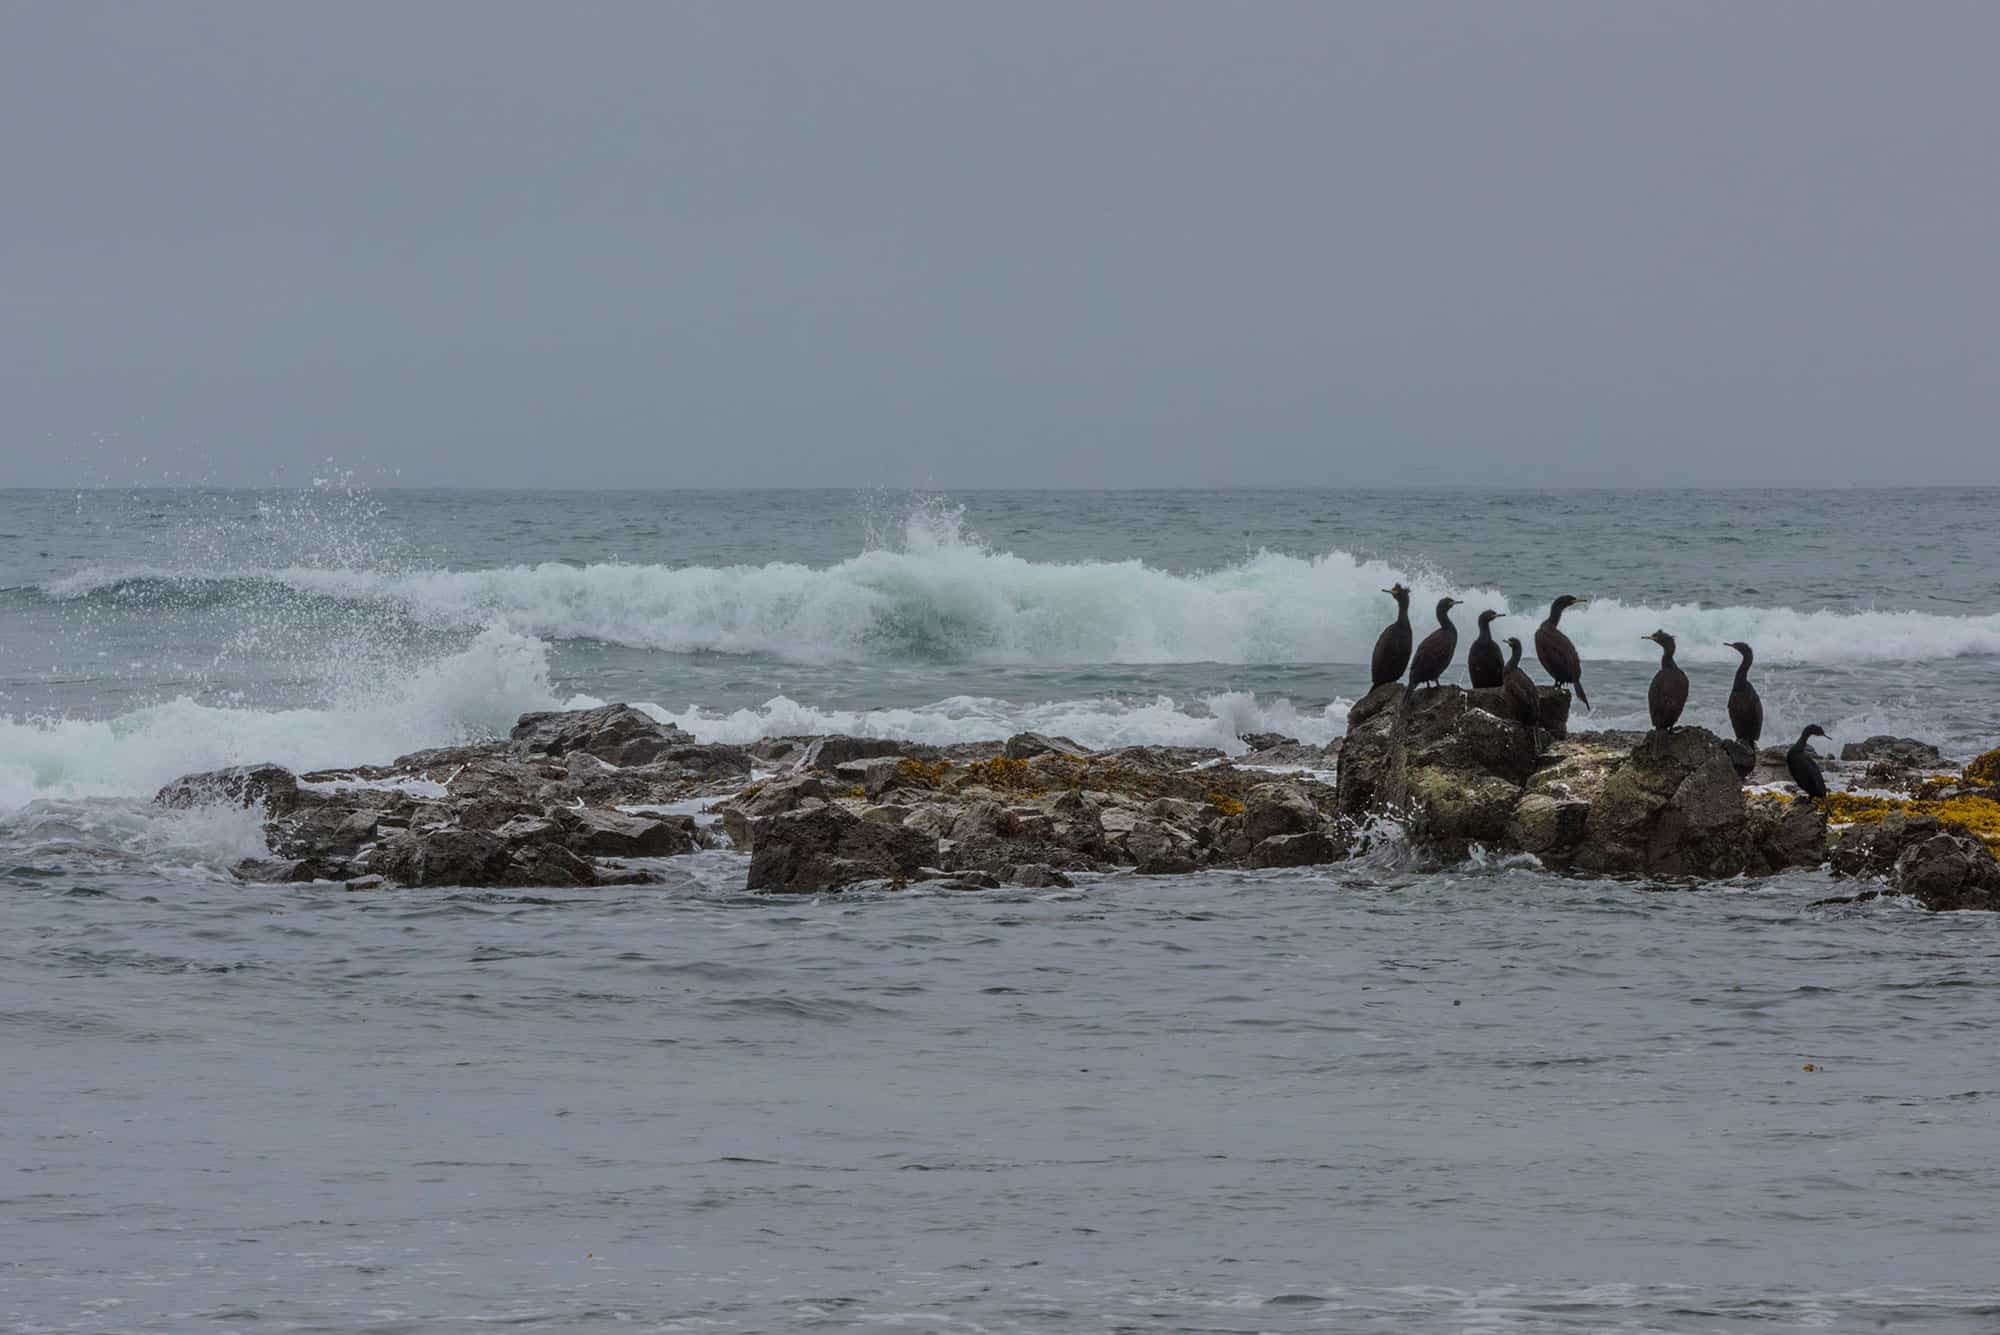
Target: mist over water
{"x":1377,"y":1096}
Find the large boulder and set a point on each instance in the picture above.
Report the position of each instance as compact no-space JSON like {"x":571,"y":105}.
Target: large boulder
{"x":616,"y":834}
{"x":1903,"y":752}
{"x":272,"y":787}
{"x":617,"y":733}
{"x":826,"y":846}
{"x":1948,"y":872}
{"x":1674,"y":808}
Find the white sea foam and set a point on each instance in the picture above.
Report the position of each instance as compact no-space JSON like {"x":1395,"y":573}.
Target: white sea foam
{"x":481,"y":691}
{"x":477,"y":692}
{"x":941,"y":596}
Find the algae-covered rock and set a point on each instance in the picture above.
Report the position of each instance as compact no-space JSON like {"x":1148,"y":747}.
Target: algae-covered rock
{"x":1671,"y":809}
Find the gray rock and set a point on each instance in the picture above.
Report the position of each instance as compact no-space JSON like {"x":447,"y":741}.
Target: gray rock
{"x":1272,"y":809}
{"x":1675,"y":809}
{"x":1026,"y":745}
{"x":1310,"y":849}
{"x":616,"y":733}
{"x":273,"y":787}
{"x":1949,"y":872}
{"x":1038,"y":876}
{"x":443,"y":857}
{"x":1906,"y":752}
{"x":616,"y":834}
{"x":829,"y":753}
{"x":825,"y":847}
{"x":874,"y":776}
{"x":1161,"y":850}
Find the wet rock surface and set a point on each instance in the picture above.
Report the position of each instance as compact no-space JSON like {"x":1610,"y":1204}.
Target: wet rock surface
{"x":575,"y":798}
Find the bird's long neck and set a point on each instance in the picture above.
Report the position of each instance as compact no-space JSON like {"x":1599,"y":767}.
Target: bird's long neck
{"x":1555,"y":615}
{"x":1402,"y":614}
{"x":1804,"y":743}
{"x":1743,"y":672}
{"x":1444,"y":618}
{"x":1667,"y":656}
{"x":1485,"y":632}
{"x":1513,"y":656}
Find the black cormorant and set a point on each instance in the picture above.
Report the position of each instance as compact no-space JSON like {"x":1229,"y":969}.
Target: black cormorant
{"x":1392,"y":646}
{"x":1434,"y":655}
{"x":1556,"y":654}
{"x":1804,"y":765}
{"x":1524,"y":699}
{"x":1668,"y":695}
{"x":1746,"y":711}
{"x":1482,"y":661}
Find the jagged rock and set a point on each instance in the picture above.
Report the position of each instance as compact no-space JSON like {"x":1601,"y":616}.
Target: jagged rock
{"x":443,"y":857}
{"x":1309,"y":849}
{"x":615,"y":834}
{"x":1272,"y":809}
{"x":770,"y":799}
{"x":1160,"y":850}
{"x":825,"y":847}
{"x":1037,"y":876}
{"x":1903,"y":752}
{"x":1949,"y":872}
{"x":1025,"y":745}
{"x":1672,"y":809}
{"x":1266,"y":741}
{"x":827,"y":753}
{"x":368,"y":883}
{"x":1871,"y":849}
{"x":617,"y":733}
{"x":971,"y":880}
{"x":276,"y":871}
{"x":1784,"y":834}
{"x":272,"y":786}
{"x":779,"y":750}
{"x":874,"y":776}
{"x":1547,"y":825}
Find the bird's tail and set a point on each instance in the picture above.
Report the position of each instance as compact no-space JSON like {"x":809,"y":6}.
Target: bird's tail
{"x":1581,"y":696}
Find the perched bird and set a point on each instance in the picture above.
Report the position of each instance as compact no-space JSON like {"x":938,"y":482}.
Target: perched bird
{"x":1668,"y":695}
{"x":1746,"y":711}
{"x":1482,"y":661}
{"x":1804,"y":765}
{"x":1524,"y":700}
{"x":1554,"y":651}
{"x":1434,"y":655}
{"x":1392,"y":646}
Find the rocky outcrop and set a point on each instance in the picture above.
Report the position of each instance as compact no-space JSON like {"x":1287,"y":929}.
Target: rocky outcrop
{"x":541,"y":808}
{"x":575,"y":798}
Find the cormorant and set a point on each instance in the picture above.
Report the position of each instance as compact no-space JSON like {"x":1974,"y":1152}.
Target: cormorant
{"x":1434,"y":655}
{"x":1392,"y":646}
{"x":1746,"y":711}
{"x":1482,"y":661}
{"x":1524,"y":700}
{"x":1668,"y":695}
{"x":1554,"y":651}
{"x":1804,"y":765}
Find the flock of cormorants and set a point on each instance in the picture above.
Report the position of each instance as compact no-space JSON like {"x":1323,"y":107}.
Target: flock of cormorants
{"x":1665,"y":699}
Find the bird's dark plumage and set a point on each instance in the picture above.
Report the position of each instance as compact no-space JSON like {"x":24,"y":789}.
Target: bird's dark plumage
{"x":1746,"y":710}
{"x":1482,"y":661}
{"x":1668,"y":695}
{"x":1434,"y":655}
{"x":1392,"y":646}
{"x":1556,"y":654}
{"x":1524,"y":699}
{"x":1804,"y":765}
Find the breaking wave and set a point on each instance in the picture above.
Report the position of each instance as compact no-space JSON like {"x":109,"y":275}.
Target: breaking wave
{"x":952,"y":600}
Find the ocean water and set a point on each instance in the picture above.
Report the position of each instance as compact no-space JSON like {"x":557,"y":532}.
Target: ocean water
{"x":1380,"y":1096}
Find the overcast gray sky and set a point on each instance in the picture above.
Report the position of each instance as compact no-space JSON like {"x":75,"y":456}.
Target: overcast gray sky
{"x":1038,"y":244}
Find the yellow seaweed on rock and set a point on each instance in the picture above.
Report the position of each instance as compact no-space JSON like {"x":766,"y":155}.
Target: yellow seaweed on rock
{"x":1976,"y":816}
{"x":1985,"y":771}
